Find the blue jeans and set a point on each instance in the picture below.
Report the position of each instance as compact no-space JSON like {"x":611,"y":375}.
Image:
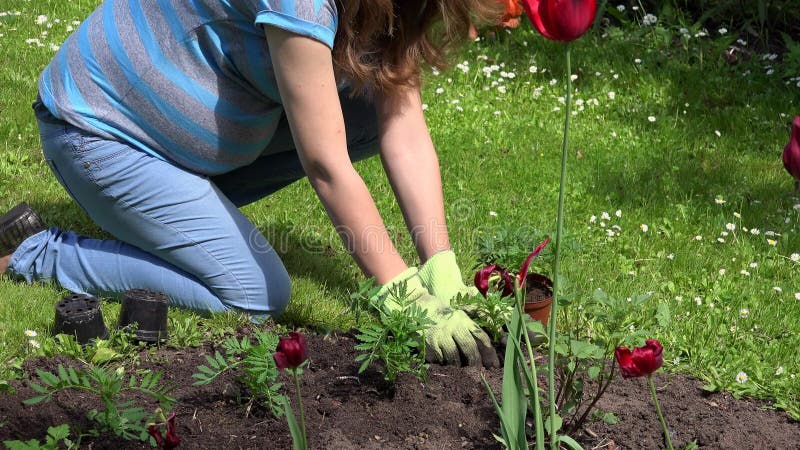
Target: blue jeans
{"x":177,"y":232}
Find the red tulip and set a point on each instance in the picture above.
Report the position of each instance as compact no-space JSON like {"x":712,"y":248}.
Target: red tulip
{"x":791,"y":153}
{"x":506,"y":283}
{"x":561,"y":20}
{"x":642,"y":361}
{"x":511,"y":15}
{"x":171,"y":440}
{"x":291,"y":351}
{"x":523,"y":271}
{"x":483,"y":276}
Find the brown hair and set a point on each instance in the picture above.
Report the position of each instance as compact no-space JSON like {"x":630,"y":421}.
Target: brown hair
{"x":380,"y":44}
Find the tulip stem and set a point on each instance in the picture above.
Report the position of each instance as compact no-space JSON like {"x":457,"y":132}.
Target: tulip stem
{"x":551,"y":357}
{"x":300,"y":407}
{"x":658,"y":410}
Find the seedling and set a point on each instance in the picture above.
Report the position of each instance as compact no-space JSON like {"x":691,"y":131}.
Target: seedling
{"x":118,"y":416}
{"x":57,"y":437}
{"x":258,"y":370}
{"x":397,"y":339}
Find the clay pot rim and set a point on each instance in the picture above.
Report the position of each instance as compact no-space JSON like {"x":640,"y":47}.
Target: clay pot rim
{"x":541,"y":281}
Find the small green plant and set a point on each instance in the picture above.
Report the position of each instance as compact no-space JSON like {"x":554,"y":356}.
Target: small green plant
{"x":397,"y":339}
{"x":57,"y":438}
{"x":490,"y":313}
{"x":507,"y":246}
{"x":119,"y":345}
{"x":186,"y":332}
{"x":584,"y":350}
{"x":258,"y":370}
{"x":120,"y":417}
{"x":220,"y":325}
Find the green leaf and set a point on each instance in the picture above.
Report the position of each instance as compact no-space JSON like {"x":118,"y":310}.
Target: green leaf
{"x":34,"y":400}
{"x":73,"y":376}
{"x":569,"y":442}
{"x":221,"y":362}
{"x":548,"y":422}
{"x":59,"y":432}
{"x":663,"y":316}
{"x":294,"y":429}
{"x":610,"y":418}
{"x":505,"y":439}
{"x":47,"y":377}
{"x":103,"y":355}
{"x":514,"y":401}
{"x":32,"y":444}
{"x":39,"y":388}
{"x":585,"y":349}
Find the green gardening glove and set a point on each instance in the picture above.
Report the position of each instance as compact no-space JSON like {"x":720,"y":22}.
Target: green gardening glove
{"x":453,"y":336}
{"x":442,"y":277}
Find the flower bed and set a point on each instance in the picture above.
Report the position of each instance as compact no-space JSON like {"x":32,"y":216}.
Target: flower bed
{"x":346,"y":410}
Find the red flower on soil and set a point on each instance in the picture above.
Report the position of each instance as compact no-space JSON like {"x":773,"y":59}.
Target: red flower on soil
{"x":791,"y":153}
{"x":642,"y":361}
{"x":171,"y":439}
{"x":561,"y":20}
{"x":291,"y":351}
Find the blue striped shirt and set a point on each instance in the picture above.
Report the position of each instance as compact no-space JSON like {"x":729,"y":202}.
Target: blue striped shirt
{"x":190,"y":81}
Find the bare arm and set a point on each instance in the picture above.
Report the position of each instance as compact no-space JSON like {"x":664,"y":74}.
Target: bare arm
{"x":304,"y":72}
{"x":412,"y":166}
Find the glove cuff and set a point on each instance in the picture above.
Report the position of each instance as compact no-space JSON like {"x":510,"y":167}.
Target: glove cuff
{"x":441,"y":275}
{"x":414,"y":287}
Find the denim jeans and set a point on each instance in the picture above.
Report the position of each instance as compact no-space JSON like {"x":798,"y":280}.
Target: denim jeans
{"x":177,"y":232}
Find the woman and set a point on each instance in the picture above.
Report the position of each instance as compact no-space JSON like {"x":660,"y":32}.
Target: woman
{"x":162,"y":118}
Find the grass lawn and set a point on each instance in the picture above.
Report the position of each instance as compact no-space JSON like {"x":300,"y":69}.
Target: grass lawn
{"x":675,"y":189}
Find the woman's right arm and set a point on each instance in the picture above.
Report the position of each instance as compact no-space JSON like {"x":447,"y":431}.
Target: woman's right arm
{"x":304,"y":72}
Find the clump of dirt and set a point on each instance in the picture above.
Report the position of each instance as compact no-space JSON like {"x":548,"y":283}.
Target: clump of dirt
{"x":348,"y":410}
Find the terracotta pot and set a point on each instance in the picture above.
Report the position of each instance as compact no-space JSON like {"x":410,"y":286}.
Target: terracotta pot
{"x":538,"y":297}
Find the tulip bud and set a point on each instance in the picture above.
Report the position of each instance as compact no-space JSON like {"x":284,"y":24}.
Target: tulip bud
{"x":490,"y":273}
{"x":561,"y":20}
{"x":791,"y":153}
{"x":291,"y":351}
{"x":642,"y":361}
{"x":167,"y":441}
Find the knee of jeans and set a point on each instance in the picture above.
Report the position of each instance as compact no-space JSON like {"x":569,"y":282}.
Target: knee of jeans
{"x":279,"y":290}
{"x":259,"y":291}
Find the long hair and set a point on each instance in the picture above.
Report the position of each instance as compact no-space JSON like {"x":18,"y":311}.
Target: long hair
{"x":381,"y":44}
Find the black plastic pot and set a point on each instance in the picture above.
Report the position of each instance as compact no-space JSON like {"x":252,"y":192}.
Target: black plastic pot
{"x":80,"y":316}
{"x":148,"y":310}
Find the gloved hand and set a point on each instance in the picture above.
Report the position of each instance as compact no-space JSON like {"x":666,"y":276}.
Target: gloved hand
{"x":442,"y":277}
{"x":452,"y":335}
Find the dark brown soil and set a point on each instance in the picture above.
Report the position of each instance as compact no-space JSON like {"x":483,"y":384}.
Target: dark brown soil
{"x":346,"y":410}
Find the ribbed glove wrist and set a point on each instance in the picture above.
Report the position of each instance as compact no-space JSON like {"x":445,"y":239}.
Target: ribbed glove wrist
{"x":414,"y":288}
{"x":442,"y":277}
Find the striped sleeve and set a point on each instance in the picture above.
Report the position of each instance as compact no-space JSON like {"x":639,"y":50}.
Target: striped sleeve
{"x":316,"y":19}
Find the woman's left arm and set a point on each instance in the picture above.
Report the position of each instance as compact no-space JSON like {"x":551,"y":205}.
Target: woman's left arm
{"x":411,"y":164}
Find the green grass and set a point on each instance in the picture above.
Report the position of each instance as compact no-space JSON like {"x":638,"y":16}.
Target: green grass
{"x":718,"y":133}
